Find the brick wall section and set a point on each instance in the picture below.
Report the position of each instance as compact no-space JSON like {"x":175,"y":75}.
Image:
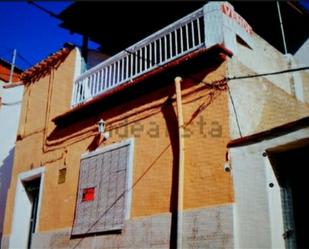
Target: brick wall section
{"x":205,"y":179}
{"x":267,"y":104}
{"x":152,"y":123}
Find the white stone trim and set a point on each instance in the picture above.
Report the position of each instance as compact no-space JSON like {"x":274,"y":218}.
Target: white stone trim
{"x":77,"y":70}
{"x":78,"y":64}
{"x":130,"y":142}
{"x":129,"y":180}
{"x":275,"y":206}
{"x":22,"y":208}
{"x":107,"y":148}
{"x":235,"y":227}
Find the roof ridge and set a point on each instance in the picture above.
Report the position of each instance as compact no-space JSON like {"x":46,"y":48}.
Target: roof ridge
{"x":49,"y":61}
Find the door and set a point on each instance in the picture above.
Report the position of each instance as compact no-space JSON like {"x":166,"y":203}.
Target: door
{"x":292,"y":170}
{"x":33,"y":190}
{"x":26,"y":208}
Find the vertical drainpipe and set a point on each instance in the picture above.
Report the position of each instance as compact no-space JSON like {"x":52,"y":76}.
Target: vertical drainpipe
{"x":181,"y":162}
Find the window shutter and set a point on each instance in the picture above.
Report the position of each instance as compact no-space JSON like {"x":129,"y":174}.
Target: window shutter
{"x":106,"y":174}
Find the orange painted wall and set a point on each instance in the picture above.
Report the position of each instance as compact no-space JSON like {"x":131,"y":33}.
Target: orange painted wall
{"x":30,"y":152}
{"x":151,"y":119}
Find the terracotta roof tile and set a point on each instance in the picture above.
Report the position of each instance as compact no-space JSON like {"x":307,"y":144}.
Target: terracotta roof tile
{"x":52,"y":61}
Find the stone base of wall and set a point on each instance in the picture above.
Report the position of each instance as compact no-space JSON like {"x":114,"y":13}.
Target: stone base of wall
{"x":5,"y":242}
{"x":202,"y":228}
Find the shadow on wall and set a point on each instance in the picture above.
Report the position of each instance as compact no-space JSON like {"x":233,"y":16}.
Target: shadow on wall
{"x":154,"y":88}
{"x":5,"y":180}
{"x":171,"y":120}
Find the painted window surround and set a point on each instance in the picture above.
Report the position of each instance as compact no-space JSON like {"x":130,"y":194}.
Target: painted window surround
{"x":130,"y":142}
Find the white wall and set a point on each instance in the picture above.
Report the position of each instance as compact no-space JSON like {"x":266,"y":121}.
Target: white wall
{"x":302,"y":55}
{"x":95,"y":57}
{"x":9,"y":116}
{"x":258,"y":212}
{"x":9,"y":121}
{"x":264,"y":58}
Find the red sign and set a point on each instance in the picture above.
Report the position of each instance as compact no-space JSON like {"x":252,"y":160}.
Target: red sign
{"x":227,"y":10}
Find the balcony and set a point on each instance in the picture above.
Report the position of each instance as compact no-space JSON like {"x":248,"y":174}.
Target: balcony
{"x":174,"y":41}
{"x":214,"y":23}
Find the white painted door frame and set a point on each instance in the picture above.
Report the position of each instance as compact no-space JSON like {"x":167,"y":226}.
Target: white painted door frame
{"x":22,"y":209}
{"x":274,"y":206}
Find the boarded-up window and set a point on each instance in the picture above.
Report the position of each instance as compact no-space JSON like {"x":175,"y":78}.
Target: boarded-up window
{"x":102,"y":191}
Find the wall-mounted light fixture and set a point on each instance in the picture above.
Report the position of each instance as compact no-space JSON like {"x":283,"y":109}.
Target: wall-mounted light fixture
{"x":101,"y":125}
{"x":101,"y":129}
{"x":227,"y":167}
{"x":227,"y":164}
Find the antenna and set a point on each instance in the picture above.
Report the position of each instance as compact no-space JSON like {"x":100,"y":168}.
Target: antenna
{"x":282,"y":29}
{"x":12,"y":66}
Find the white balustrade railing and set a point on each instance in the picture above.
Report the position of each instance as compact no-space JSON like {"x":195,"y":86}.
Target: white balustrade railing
{"x":170,"y":43}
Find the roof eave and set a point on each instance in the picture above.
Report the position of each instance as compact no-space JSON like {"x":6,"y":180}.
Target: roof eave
{"x":268,"y":134}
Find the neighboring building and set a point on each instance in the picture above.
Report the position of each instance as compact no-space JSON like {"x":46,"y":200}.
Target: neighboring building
{"x":99,"y":155}
{"x":10,"y":105}
{"x":301,"y":55}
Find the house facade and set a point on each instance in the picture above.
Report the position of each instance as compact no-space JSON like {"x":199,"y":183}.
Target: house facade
{"x":161,"y":145}
{"x":10,"y":106}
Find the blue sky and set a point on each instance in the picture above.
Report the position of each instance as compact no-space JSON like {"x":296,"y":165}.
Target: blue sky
{"x":305,"y":3}
{"x":32,"y":32}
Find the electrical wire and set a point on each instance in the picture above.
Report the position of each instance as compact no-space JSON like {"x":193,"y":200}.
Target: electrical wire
{"x":234,"y":109}
{"x":43,"y":9}
{"x":24,"y":59}
{"x":151,"y":61}
{"x":12,"y":103}
{"x":268,"y":74}
{"x":222,"y":84}
{"x":219,"y":85}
